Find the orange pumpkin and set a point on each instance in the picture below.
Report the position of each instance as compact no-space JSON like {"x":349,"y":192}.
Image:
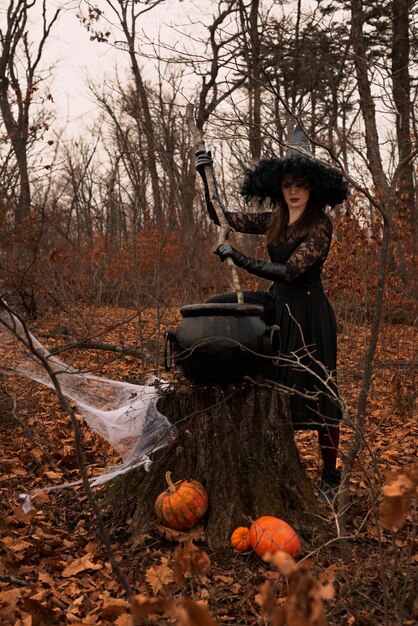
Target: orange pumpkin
{"x":239,"y":539}
{"x":182,"y":505}
{"x":270,"y":534}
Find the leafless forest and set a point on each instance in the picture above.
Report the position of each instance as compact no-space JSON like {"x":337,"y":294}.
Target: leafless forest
{"x":104,"y":236}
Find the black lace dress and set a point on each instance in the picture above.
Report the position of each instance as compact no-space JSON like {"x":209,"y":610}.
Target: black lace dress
{"x":299,"y":306}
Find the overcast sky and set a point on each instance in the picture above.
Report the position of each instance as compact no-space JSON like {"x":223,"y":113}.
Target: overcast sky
{"x":77,"y":59}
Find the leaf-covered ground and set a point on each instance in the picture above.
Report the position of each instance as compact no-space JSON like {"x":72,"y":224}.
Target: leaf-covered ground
{"x":54,"y":570}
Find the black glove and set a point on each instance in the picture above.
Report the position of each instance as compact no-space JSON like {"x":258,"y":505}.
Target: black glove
{"x":271,"y":271}
{"x":203,"y":158}
{"x":224,"y":250}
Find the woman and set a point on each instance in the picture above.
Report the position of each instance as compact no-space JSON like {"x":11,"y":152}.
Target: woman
{"x":298,"y":239}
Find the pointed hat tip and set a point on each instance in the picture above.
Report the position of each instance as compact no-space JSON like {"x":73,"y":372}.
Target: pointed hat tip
{"x":298,"y":140}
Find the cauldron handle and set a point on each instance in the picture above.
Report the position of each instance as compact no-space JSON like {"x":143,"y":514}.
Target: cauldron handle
{"x":271,"y":332}
{"x":168,"y":349}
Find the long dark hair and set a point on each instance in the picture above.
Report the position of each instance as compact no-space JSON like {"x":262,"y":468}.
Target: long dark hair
{"x":303,"y":227}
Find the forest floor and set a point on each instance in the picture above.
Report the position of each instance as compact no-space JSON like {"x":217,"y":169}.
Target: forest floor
{"x":54,"y":570}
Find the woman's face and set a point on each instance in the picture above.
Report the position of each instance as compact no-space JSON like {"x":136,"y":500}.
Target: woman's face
{"x":296,"y":193}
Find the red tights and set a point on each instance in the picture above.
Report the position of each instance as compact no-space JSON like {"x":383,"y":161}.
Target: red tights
{"x":329,"y":439}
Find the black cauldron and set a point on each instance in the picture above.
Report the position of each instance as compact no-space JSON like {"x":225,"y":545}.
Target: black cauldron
{"x":222,"y":343}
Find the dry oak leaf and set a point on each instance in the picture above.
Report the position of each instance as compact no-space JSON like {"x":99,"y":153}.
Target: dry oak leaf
{"x":223,"y":579}
{"x":114,"y":607}
{"x":25,"y":620}
{"x":304,"y":606}
{"x":398,"y":495}
{"x":8,"y":601}
{"x":158,"y":576}
{"x":326,"y":583}
{"x":15,"y":545}
{"x":271,"y":606}
{"x":80,"y":565}
{"x":53,"y":475}
{"x":191,"y":560}
{"x":43,"y":577}
{"x":399,"y":486}
{"x":40,"y":613}
{"x":142,"y":606}
{"x":191,"y":613}
{"x":394,"y":510}
{"x":40,"y":497}
{"x":195,"y":534}
{"x":283,"y":561}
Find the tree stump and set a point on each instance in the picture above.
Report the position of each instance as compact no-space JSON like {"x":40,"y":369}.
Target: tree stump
{"x":238,"y":442}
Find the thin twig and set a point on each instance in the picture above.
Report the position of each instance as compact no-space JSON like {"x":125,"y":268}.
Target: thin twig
{"x":5,"y":578}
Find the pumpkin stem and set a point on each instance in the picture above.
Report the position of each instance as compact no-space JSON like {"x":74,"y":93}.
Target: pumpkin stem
{"x":171,"y":487}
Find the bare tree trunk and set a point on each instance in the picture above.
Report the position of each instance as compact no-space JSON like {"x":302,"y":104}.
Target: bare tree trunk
{"x":15,"y":97}
{"x":367,"y":102}
{"x":296,"y":60}
{"x":252,"y":43}
{"x":401,"y":89}
{"x":385,"y":204}
{"x":23,"y":207}
{"x":129,"y":29}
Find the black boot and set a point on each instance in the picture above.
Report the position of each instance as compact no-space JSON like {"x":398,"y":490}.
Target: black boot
{"x":328,"y":487}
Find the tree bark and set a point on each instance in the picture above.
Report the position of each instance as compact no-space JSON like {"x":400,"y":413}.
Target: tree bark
{"x":401,"y":89}
{"x":15,"y":94}
{"x":366,"y":100}
{"x":143,"y":100}
{"x":251,"y":51}
{"x":385,"y":201}
{"x":238,"y":442}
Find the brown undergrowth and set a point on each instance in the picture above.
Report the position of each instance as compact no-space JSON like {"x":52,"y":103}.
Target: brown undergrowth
{"x":53,"y":569}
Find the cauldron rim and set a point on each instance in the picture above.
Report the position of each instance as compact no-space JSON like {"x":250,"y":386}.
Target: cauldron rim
{"x":221,"y":308}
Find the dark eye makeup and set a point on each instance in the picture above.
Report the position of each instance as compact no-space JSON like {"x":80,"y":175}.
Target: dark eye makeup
{"x":286,"y":184}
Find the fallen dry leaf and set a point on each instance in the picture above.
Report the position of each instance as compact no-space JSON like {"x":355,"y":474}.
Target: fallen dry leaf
{"x":272,"y":609}
{"x":223,"y":579}
{"x":112,"y":606}
{"x":124,"y":620}
{"x":283,"y":561}
{"x":194,"y":534}
{"x":394,"y":510}
{"x":142,"y":606}
{"x":191,"y":560}
{"x":40,"y":497}
{"x":80,"y":565}
{"x":15,"y":545}
{"x":43,"y":577}
{"x":158,"y":576}
{"x":40,"y":613}
{"x":191,"y":613}
{"x":8,"y":600}
{"x":400,"y":486}
{"x":327,"y":591}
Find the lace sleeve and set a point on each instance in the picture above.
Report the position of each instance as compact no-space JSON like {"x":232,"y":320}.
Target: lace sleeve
{"x":312,"y":250}
{"x":251,"y":223}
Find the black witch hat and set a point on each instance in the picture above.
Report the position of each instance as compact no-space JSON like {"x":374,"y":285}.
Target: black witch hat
{"x":326,"y":182}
